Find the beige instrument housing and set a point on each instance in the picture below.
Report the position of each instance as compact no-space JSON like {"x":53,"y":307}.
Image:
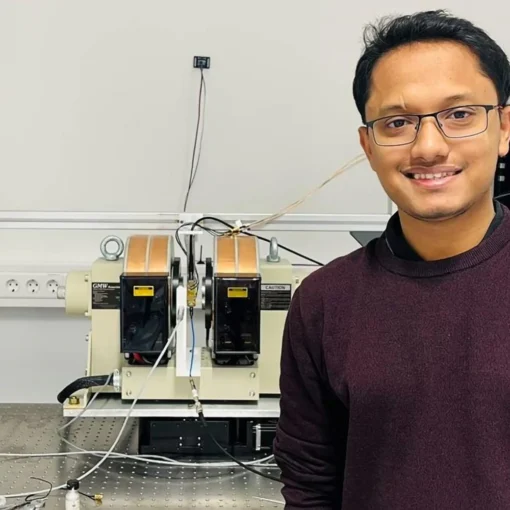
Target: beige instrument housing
{"x":155,"y":254}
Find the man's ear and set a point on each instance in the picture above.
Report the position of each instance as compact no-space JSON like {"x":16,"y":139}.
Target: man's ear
{"x":365,"y":141}
{"x":504,"y":137}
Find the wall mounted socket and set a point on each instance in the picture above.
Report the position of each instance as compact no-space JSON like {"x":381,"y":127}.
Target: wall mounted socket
{"x":11,"y":286}
{"x":31,"y":288}
{"x":52,"y":286}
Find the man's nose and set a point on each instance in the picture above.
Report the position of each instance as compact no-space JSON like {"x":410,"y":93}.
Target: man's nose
{"x":430,"y":142}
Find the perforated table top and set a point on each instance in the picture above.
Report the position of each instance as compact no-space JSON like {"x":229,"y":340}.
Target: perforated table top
{"x":124,"y":483}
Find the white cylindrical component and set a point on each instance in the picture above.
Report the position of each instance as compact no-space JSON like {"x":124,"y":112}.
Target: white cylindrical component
{"x":72,"y":500}
{"x":3,"y":502}
{"x":77,"y":293}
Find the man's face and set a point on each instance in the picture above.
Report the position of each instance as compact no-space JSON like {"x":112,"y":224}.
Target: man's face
{"x":422,"y":78}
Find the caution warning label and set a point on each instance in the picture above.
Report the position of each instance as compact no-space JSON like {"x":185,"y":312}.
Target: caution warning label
{"x":276,"y":296}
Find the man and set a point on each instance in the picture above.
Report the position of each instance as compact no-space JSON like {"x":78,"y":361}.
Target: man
{"x":395,"y":373}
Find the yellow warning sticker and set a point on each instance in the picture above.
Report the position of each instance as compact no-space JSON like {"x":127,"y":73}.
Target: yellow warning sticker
{"x":143,"y":291}
{"x":237,"y":292}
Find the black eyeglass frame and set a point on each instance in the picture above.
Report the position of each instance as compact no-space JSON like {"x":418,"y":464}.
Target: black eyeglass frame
{"x":487,"y":107}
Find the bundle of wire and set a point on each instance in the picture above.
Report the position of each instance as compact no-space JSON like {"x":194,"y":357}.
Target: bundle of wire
{"x":263,"y":222}
{"x":124,"y":424}
{"x":147,"y":459}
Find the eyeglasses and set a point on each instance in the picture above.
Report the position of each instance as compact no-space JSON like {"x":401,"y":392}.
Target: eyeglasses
{"x":458,"y":122}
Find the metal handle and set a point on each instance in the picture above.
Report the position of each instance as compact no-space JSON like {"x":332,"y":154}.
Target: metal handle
{"x":273,"y":251}
{"x":108,"y":255}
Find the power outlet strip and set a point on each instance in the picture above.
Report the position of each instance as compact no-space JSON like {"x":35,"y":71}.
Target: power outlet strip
{"x":31,"y":288}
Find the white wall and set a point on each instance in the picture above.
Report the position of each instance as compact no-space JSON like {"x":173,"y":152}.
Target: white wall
{"x":98,"y":109}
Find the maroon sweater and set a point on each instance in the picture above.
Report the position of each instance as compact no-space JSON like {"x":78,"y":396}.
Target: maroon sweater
{"x":395,"y":381}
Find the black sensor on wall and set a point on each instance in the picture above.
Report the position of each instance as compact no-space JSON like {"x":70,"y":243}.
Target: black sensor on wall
{"x":201,"y":62}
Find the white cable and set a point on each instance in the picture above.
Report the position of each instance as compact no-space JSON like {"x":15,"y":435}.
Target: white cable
{"x":69,"y":423}
{"x":163,"y":461}
{"x":153,"y":459}
{"x":264,"y":221}
{"x":150,"y":459}
{"x":91,"y":470}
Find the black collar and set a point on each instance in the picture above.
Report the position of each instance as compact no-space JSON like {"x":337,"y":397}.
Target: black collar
{"x":401,"y":248}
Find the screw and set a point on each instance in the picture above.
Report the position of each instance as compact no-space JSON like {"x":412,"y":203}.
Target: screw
{"x":128,"y":374}
{"x":252,"y":393}
{"x":253,"y":375}
{"x":128,"y":393}
{"x":86,"y":338}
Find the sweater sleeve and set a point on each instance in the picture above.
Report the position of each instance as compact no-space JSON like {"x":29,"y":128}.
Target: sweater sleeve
{"x":309,"y":441}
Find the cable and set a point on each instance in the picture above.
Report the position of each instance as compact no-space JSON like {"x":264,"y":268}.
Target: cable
{"x":193,"y":346}
{"x":200,"y":411}
{"x":189,"y":224}
{"x":260,"y":223}
{"x":90,"y":471}
{"x":70,"y":422}
{"x":232,"y":228}
{"x":283,"y":247}
{"x":202,"y":82}
{"x":147,"y":459}
{"x":194,"y":169}
{"x":80,"y":384}
{"x":30,"y":498}
{"x":242,"y":464}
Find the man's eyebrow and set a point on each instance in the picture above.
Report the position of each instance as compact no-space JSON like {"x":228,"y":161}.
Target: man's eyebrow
{"x":447,"y":101}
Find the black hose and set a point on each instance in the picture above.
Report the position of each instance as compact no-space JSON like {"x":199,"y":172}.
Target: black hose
{"x":80,"y":384}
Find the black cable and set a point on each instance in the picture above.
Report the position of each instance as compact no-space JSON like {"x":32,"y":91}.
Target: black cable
{"x":202,"y":82}
{"x":178,"y":239}
{"x":87,"y":496}
{"x":283,"y":247}
{"x":32,"y":497}
{"x":82,"y":383}
{"x":237,"y":461}
{"x":193,"y":169}
{"x":316,"y":262}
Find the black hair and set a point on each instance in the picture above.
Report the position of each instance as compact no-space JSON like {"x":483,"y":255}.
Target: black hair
{"x":390,"y":33}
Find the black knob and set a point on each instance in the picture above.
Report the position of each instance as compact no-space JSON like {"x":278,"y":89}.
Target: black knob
{"x":73,"y":484}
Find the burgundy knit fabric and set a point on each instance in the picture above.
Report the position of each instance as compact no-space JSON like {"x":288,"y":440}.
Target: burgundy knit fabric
{"x":395,"y":381}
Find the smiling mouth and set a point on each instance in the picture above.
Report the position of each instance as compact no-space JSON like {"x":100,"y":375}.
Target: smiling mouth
{"x":431,"y":177}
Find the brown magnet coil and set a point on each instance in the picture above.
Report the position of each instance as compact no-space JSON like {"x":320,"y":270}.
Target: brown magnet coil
{"x":237,"y":255}
{"x":148,"y":254}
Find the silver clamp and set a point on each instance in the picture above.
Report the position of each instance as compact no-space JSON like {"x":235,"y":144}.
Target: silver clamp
{"x":117,"y":381}
{"x":273,"y":251}
{"x":112,"y":255}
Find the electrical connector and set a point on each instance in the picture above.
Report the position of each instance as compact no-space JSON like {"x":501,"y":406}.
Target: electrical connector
{"x":192,"y":291}
{"x":194,"y":393}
